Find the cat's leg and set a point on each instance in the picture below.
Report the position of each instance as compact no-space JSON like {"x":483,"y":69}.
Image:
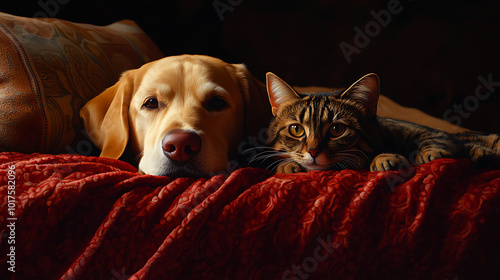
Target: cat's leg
{"x":289,"y":167}
{"x":433,"y":146}
{"x":384,"y":162}
{"x":481,"y":155}
{"x":492,"y":141}
{"x":478,"y":144}
{"x":482,"y":149}
{"x":431,"y":154}
{"x":489,"y":141}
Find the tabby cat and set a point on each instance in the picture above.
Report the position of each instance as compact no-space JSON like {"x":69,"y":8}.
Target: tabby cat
{"x":340,"y":130}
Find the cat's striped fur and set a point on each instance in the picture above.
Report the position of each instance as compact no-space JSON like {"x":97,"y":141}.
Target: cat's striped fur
{"x":340,"y":130}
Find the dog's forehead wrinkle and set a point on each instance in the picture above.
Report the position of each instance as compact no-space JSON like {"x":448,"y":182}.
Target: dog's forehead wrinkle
{"x":193,"y":75}
{"x":162,"y":88}
{"x":199,"y":72}
{"x":159,"y":90}
{"x":210,"y":86}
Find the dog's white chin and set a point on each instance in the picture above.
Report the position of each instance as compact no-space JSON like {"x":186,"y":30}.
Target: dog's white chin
{"x":177,"y":172}
{"x":171,"y":169}
{"x":160,"y":165}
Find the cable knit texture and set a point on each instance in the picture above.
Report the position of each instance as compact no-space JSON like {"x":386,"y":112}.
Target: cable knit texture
{"x":97,"y":218}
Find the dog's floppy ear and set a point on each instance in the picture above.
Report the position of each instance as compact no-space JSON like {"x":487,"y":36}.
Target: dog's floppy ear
{"x":105,"y":117}
{"x":257,"y":107}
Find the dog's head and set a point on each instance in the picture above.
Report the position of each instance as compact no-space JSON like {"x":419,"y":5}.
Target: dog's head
{"x":182,"y":115}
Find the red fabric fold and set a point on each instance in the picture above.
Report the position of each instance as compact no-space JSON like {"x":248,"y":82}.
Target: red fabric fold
{"x":96,"y":218}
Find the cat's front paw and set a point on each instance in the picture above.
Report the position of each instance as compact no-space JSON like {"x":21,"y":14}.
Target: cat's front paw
{"x":384,"y":162}
{"x":289,"y":167}
{"x":483,"y":156}
{"x":432,"y":154}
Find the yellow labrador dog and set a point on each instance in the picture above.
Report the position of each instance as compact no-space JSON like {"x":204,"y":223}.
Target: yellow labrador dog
{"x":186,"y":115}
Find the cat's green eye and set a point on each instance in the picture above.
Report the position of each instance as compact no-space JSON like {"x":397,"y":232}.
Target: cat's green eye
{"x":337,"y":129}
{"x":296,"y":130}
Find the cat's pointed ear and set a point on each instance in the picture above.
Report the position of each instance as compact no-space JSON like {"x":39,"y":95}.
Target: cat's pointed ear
{"x":365,"y":91}
{"x":279,"y":92}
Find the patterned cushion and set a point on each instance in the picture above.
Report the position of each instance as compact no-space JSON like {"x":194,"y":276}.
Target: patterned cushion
{"x":49,"y":68}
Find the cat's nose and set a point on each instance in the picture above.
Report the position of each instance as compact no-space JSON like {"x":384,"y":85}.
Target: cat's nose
{"x":314,"y":152}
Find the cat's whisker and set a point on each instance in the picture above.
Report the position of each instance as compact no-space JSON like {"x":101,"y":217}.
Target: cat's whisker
{"x":347,"y":160}
{"x":364,"y":154}
{"x":286,"y":161}
{"x":352,"y":164}
{"x":351,"y":157}
{"x":352,"y":151}
{"x":263,"y":150}
{"x":258,"y":148}
{"x":355,"y":160}
{"x":277,"y":163}
{"x":340,"y":166}
{"x":266,"y":155}
{"x":348,"y":163}
{"x":345,"y":156}
{"x":289,"y":163}
{"x":298,"y":154}
{"x":138,"y":157}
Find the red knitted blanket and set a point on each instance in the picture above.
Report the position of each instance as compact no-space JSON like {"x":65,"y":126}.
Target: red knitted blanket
{"x":76,"y":217}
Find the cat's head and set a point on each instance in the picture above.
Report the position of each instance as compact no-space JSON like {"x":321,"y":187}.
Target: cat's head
{"x":324,"y":131}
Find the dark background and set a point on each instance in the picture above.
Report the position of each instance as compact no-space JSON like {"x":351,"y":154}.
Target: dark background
{"x":429,"y":55}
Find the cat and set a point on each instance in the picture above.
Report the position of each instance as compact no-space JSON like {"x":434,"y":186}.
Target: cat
{"x":340,"y":130}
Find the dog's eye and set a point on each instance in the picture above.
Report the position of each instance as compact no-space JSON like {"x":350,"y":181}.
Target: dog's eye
{"x":151,"y":103}
{"x":216,"y":104}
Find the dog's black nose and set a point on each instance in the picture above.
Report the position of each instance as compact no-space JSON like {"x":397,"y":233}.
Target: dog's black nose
{"x":180,"y":145}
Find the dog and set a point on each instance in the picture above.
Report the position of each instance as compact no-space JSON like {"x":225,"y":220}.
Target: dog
{"x":184,"y":116}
